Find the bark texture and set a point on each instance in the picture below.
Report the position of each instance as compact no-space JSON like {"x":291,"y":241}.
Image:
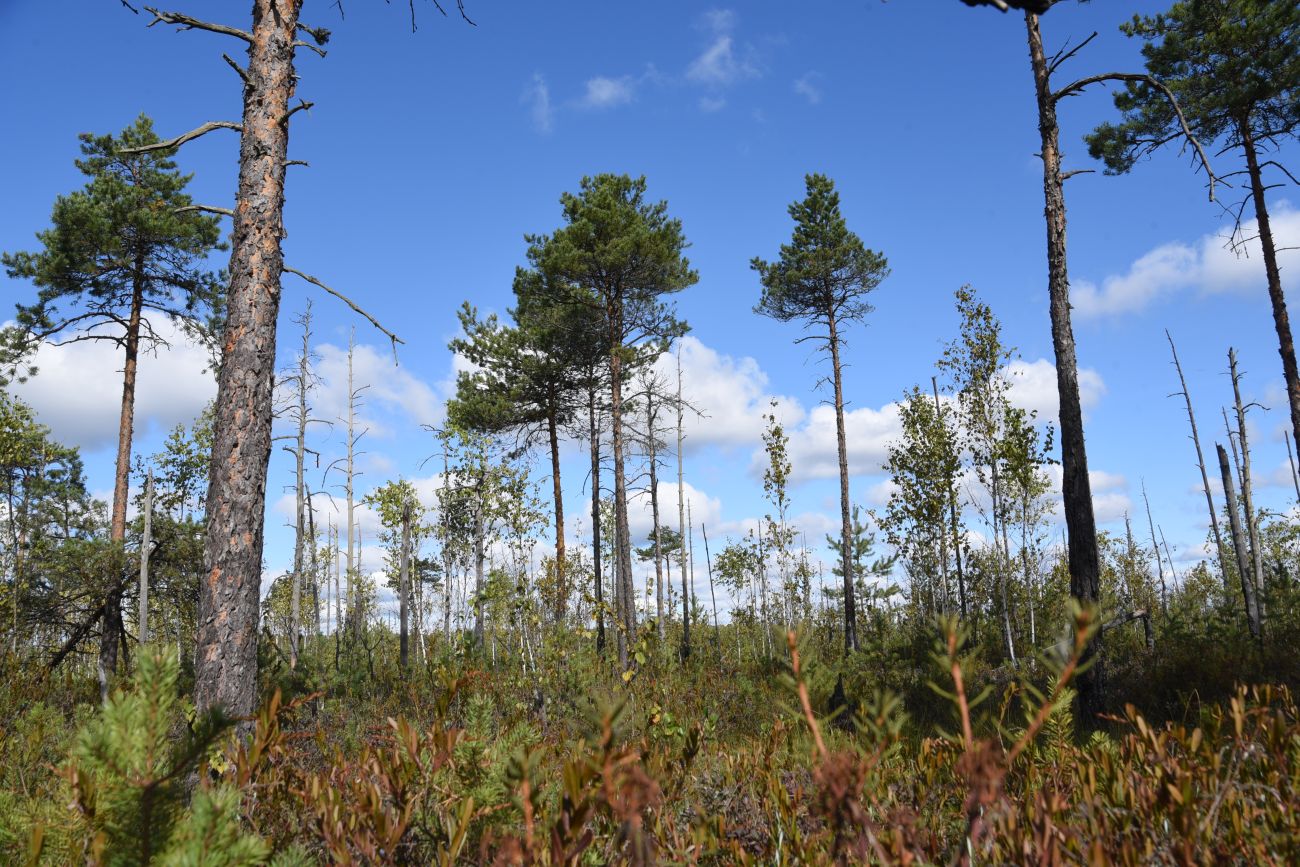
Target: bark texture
{"x":226,"y":652}
{"x":846,"y":521}
{"x":1081,"y":525}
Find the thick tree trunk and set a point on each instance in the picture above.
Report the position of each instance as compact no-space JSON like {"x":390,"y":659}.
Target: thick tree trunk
{"x":1081,"y":525}
{"x":557,"y":494}
{"x":1239,"y":544}
{"x":593,"y":434}
{"x":1281,"y":321}
{"x":1200,"y":462}
{"x":846,"y":522}
{"x":226,"y":655}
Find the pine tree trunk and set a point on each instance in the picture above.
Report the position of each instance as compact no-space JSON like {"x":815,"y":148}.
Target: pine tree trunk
{"x":112,"y":632}
{"x":593,"y":434}
{"x":226,"y":655}
{"x":561,"y":574}
{"x":622,"y":544}
{"x":846,"y":522}
{"x":1281,"y":321}
{"x":1081,"y":525}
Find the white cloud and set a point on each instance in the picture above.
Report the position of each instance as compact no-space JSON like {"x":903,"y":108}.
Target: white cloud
{"x":808,"y":87}
{"x":391,"y":388}
{"x":813,"y":449}
{"x":720,"y":64}
{"x":78,"y":390}
{"x":605,"y":92}
{"x":1208,"y":266}
{"x":730,"y":392}
{"x":1033,"y":387}
{"x":537,"y":96}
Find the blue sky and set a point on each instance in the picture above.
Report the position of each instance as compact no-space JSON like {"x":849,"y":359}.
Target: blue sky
{"x":433,"y":153}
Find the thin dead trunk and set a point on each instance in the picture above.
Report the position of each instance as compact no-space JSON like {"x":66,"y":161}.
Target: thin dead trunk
{"x":846,"y":523}
{"x":952,"y":513}
{"x":1247,"y":495}
{"x":1239,"y":544}
{"x":404,"y":584}
{"x":1155,"y":548}
{"x":708,"y":558}
{"x":1081,"y":525}
{"x":146,"y":542}
{"x":593,"y":438}
{"x":1200,"y":461}
{"x":226,"y":655}
{"x":1295,"y":479}
{"x":651,"y":443}
{"x":557,"y":494}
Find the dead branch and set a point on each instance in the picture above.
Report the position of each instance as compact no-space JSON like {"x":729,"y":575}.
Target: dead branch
{"x":302,"y":105}
{"x":297,"y":163}
{"x":298,"y":43}
{"x":207,"y":209}
{"x":348,"y":301}
{"x":186,"y":22}
{"x":1083,"y":83}
{"x":239,"y":70}
{"x":1062,"y":56}
{"x":184,"y":137}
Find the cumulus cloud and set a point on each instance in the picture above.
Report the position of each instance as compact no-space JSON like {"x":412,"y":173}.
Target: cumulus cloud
{"x":813,"y":448}
{"x":1033,"y":388}
{"x":1207,"y":266}
{"x":78,"y":391}
{"x":537,"y":97}
{"x":722,"y":64}
{"x":731,"y":394}
{"x":392,"y":390}
{"x":605,"y":92}
{"x":808,"y":86}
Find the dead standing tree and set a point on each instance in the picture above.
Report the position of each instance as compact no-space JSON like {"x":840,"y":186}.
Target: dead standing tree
{"x":1082,"y":554}
{"x":226,"y":657}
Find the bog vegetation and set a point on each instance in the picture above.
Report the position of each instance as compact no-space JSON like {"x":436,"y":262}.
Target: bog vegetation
{"x":965,"y":687}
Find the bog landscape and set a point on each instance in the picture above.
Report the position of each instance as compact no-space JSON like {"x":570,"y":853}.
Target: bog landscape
{"x":570,"y":433}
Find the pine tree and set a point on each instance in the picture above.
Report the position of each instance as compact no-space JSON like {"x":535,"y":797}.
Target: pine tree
{"x":122,"y":252}
{"x":823,"y":278}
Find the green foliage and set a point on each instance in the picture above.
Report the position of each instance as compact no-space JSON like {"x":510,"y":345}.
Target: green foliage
{"x":128,"y":773}
{"x":825,"y":273}
{"x":1233,"y":66}
{"x":123,"y":241}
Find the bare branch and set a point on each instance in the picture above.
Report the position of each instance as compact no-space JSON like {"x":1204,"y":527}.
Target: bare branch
{"x":297,"y":163}
{"x":185,"y":137}
{"x":129,"y":6}
{"x":185,"y":22}
{"x":348,"y":301}
{"x":235,"y":66}
{"x":1083,"y":83}
{"x":1062,"y":58}
{"x":298,"y":43}
{"x":207,"y":209}
{"x":1065,"y":176}
{"x":302,"y":105}
{"x":1277,"y":165}
{"x":321,"y":35}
